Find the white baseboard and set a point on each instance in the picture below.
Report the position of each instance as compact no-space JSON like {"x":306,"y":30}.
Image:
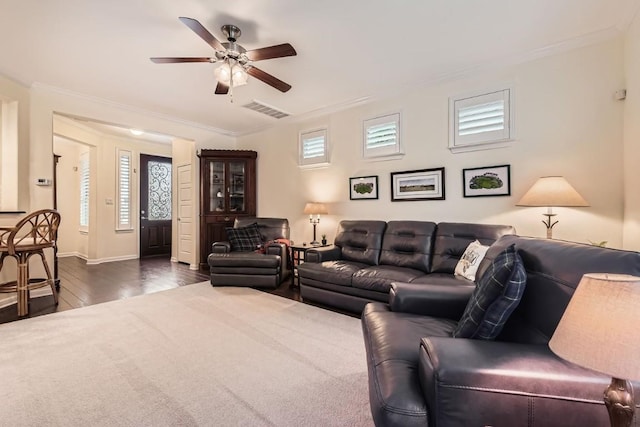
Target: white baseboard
{"x":174,"y":259}
{"x":68,"y":254}
{"x":111,"y":259}
{"x":193,"y":267}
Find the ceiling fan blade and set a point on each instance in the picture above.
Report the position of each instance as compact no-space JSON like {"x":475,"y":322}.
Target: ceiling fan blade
{"x":178,"y":60}
{"x":222,"y":89}
{"x":277,"y":51}
{"x":204,"y":34}
{"x":268,"y":78}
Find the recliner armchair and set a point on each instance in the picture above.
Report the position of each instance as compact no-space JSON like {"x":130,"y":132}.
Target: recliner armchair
{"x":265,"y":267}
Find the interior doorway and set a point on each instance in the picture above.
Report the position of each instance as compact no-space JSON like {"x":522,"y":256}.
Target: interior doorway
{"x":155,"y":205}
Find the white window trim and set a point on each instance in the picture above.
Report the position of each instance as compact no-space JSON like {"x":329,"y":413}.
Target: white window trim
{"x":458,"y":144}
{"x":85,"y":204}
{"x":313,"y":162}
{"x":120,"y":224}
{"x":383,"y":153}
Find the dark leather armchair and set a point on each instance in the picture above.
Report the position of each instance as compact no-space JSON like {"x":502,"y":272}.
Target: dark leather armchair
{"x":265,"y":269}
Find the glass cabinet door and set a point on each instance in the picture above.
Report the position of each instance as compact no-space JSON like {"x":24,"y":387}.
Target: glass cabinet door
{"x":236,"y":186}
{"x":217,"y":187}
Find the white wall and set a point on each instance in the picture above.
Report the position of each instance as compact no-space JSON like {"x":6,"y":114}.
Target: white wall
{"x":70,"y":240}
{"x":567,"y":124}
{"x":632,"y":137}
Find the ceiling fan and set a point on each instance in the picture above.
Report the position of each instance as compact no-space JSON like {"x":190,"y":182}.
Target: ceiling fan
{"x":236,"y":60}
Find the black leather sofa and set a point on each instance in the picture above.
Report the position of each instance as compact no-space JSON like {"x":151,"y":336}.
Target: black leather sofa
{"x":368,"y":256}
{"x":260,"y":270}
{"x":420,"y":376}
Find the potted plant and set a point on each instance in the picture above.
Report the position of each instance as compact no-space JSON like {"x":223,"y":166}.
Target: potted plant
{"x":324,"y":240}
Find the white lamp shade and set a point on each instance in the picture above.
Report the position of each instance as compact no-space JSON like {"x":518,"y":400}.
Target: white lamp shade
{"x":552,"y":191}
{"x":600,"y":328}
{"x":313,"y":208}
{"x":224,"y":72}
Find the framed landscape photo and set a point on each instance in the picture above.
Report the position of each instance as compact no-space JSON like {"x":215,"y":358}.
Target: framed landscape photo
{"x":363,"y":188}
{"x":487,"y":181}
{"x":424,"y":184}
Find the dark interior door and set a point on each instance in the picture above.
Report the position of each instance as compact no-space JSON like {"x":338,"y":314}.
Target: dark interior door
{"x":155,"y":205}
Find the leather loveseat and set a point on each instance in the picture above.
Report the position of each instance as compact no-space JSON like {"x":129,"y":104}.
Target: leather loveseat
{"x":265,"y":268}
{"x":420,"y":376}
{"x":368,"y":256}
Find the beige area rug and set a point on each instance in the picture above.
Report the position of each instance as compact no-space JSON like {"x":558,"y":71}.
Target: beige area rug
{"x":194,"y":355}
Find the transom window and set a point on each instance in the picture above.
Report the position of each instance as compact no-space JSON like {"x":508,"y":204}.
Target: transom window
{"x":382,"y":136}
{"x":481,"y":120}
{"x":313,"y":148}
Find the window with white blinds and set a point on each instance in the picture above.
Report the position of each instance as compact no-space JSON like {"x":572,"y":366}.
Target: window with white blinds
{"x":84,"y":191}
{"x":123,"y":208}
{"x":480,"y":120}
{"x":382,"y":136}
{"x":313,"y":148}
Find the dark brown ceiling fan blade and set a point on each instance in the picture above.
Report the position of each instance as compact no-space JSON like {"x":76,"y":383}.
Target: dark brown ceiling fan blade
{"x":222,"y":89}
{"x":268,"y":78}
{"x":277,"y":51}
{"x":204,"y":34}
{"x":178,"y":60}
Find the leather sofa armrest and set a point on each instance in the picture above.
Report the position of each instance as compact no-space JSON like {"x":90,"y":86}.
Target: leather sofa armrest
{"x":275,"y":248}
{"x":504,"y":383}
{"x":221,"y":247}
{"x":333,"y":253}
{"x":445,"y":301}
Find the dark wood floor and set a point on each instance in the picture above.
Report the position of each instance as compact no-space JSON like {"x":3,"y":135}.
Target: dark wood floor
{"x":82,"y":284}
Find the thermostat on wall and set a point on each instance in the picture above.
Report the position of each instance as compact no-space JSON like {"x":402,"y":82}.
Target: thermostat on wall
{"x":43,"y":181}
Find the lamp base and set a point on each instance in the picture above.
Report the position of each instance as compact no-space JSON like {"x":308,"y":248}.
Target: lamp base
{"x":549,"y":224}
{"x":618,"y":398}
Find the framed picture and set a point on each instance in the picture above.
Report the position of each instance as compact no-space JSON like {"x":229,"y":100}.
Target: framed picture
{"x":363,"y":188}
{"x":425,"y":184}
{"x":487,"y":181}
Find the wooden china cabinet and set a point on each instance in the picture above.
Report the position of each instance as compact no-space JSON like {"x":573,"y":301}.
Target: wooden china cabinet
{"x":227,"y":191}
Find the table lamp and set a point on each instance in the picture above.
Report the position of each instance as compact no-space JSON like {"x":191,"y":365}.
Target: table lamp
{"x":313,"y":208}
{"x":599,"y":330}
{"x":552,"y":191}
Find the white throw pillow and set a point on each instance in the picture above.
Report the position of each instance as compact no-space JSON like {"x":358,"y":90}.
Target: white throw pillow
{"x":470,"y":260}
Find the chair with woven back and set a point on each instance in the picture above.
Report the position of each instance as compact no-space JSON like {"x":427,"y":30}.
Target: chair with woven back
{"x":30,"y":236}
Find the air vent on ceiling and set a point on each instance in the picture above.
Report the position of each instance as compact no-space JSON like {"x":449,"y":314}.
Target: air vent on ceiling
{"x":265,"y":109}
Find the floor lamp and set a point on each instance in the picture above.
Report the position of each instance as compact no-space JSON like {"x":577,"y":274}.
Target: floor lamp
{"x":317,"y":209}
{"x":599,"y":330}
{"x":552,"y":191}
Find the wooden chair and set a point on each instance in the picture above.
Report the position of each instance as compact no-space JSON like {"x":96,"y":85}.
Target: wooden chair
{"x":30,"y":236}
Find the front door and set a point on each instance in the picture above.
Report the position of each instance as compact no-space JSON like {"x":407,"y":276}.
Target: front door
{"x":155,"y":205}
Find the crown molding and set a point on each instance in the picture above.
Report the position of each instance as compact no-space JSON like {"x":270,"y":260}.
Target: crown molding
{"x":129,"y":108}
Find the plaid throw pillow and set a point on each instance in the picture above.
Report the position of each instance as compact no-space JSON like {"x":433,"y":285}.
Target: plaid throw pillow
{"x":498,"y":292}
{"x":244,"y":239}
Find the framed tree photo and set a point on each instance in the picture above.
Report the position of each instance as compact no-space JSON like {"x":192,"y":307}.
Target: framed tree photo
{"x":424,"y":184}
{"x":487,"y":181}
{"x":363,"y":188}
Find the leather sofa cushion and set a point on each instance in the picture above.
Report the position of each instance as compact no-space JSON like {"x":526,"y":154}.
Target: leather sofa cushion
{"x":336,"y":272}
{"x":270,"y":228}
{"x":379,"y":277}
{"x":452,"y":239}
{"x":392,"y":341}
{"x":442,"y":279}
{"x":408,"y":244}
{"x":360,"y":241}
{"x":244,"y":259}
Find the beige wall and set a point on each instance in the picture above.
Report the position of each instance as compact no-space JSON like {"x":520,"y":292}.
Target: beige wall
{"x":14,"y":169}
{"x":567,"y":123}
{"x":632,"y":137}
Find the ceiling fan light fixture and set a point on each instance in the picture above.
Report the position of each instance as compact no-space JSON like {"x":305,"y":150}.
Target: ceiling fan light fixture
{"x":223,"y":73}
{"x":239,"y":75}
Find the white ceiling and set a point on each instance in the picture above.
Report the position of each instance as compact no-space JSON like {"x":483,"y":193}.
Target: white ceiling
{"x":347,"y":50}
